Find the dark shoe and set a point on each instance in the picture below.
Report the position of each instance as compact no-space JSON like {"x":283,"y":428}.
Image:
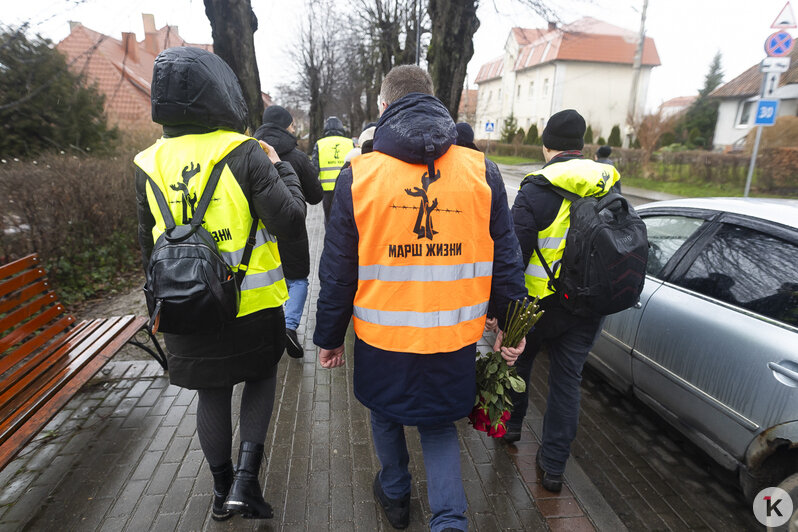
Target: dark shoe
{"x":552,"y":483}
{"x":246,"y":497}
{"x":222,"y":480}
{"x":397,"y":511}
{"x":512,"y":435}
{"x":292,"y":344}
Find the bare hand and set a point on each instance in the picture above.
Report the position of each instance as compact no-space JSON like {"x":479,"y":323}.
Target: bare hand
{"x":492,"y":325}
{"x":331,"y":358}
{"x":509,"y":354}
{"x":273,"y":157}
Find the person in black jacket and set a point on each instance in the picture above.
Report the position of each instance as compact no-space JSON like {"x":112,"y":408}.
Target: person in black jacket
{"x":278,"y":131}
{"x":204,"y":117}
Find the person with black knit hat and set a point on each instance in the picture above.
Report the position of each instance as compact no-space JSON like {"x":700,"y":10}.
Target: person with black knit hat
{"x":278,"y":131}
{"x":542,"y":219}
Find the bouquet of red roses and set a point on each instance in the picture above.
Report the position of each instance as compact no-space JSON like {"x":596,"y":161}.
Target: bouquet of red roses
{"x":495,"y":378}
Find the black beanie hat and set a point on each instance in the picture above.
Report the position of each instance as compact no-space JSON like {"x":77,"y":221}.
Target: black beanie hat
{"x":274,"y":114}
{"x":564,"y":131}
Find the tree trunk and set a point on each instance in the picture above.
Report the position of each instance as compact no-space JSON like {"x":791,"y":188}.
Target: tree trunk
{"x":451,"y":47}
{"x":233,"y":24}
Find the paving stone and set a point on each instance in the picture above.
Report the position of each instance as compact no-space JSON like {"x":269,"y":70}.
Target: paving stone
{"x":146,"y":512}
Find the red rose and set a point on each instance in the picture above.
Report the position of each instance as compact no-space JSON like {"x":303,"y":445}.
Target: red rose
{"x":479,"y":418}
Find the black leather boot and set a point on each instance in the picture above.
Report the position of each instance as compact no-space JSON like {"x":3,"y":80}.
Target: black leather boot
{"x":222,"y":480}
{"x":246,"y":497}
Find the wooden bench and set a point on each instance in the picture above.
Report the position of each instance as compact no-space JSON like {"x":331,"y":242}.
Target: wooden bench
{"x":45,"y":357}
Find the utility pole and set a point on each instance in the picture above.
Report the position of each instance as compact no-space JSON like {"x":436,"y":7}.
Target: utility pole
{"x":418,"y":32}
{"x":631,"y":113}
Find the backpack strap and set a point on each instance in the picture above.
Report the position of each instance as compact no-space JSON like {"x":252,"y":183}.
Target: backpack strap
{"x":207,"y":193}
{"x":168,"y":219}
{"x":244,"y":264}
{"x":545,"y":267}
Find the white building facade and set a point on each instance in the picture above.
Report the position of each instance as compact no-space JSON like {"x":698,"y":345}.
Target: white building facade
{"x":586,"y":65}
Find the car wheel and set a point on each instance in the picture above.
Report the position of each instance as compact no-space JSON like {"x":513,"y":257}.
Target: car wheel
{"x":790,"y":485}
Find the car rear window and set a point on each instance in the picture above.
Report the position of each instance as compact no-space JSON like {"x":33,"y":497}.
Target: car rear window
{"x":750,"y":269}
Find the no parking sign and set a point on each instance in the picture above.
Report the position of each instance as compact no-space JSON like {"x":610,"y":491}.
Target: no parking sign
{"x":779,"y":44}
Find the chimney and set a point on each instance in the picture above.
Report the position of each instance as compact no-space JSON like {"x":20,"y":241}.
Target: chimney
{"x":72,"y":25}
{"x":130,"y":46}
{"x":552,"y":25}
{"x":149,"y":23}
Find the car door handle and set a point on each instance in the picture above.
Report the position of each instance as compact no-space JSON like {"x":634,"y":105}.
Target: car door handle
{"x":786,"y":372}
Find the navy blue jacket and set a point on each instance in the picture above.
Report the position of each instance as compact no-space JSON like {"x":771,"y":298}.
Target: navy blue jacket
{"x":409,"y":388}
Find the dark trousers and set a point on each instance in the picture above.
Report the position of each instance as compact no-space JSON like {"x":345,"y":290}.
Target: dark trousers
{"x":568,"y":346}
{"x":326,"y":203}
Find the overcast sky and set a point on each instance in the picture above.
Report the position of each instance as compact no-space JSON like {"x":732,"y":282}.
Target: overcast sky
{"x":687,"y":33}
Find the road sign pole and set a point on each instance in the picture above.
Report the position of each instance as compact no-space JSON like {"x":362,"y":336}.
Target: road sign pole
{"x":487,"y":148}
{"x":753,"y":162}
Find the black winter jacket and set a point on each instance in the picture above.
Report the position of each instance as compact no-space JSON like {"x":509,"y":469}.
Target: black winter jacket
{"x":206,"y":99}
{"x":294,"y":253}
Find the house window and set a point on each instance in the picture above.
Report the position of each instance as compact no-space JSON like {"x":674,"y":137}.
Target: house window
{"x":499,"y":96}
{"x":518,"y":92}
{"x":531,"y":89}
{"x":745,"y":112}
{"x":545,"y":87}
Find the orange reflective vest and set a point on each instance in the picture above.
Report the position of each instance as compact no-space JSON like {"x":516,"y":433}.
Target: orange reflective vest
{"x":425,"y":254}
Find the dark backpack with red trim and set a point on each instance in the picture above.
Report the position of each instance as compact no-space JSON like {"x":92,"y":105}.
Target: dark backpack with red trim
{"x":604,"y":262}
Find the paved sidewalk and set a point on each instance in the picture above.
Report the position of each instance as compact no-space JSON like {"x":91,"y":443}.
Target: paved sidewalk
{"x":124,"y":455}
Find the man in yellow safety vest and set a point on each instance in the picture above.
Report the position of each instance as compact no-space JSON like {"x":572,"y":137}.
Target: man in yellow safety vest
{"x":328,"y":157}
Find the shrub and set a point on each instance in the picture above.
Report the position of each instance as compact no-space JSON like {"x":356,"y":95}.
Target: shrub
{"x":589,"y":135}
{"x":601,"y":141}
{"x":78,"y":213}
{"x":615,"y":137}
{"x":531,"y":135}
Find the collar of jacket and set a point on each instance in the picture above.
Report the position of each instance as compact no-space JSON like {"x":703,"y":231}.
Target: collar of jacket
{"x":185,"y":129}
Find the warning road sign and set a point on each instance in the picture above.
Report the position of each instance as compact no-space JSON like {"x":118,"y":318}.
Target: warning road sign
{"x":779,"y":44}
{"x":785,"y":20}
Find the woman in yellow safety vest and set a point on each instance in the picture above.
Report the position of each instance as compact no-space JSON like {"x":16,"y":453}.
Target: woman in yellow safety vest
{"x":196,"y":97}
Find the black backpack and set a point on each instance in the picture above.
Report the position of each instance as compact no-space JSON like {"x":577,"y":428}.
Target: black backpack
{"x":189,"y":287}
{"x":604,"y":262}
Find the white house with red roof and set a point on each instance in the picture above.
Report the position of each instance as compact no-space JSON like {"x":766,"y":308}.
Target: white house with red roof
{"x":122,"y":69}
{"x":585,"y":65}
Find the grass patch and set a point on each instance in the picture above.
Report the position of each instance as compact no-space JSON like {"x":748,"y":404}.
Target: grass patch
{"x":510,"y":159}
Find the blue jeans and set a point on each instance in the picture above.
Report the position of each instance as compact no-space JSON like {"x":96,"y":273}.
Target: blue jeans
{"x":297,"y":293}
{"x":567,"y":355}
{"x":441,"y":449}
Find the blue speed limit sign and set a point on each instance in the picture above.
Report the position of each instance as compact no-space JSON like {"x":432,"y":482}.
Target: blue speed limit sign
{"x":766,"y":112}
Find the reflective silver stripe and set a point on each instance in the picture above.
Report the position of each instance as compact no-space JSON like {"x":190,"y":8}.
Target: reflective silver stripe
{"x":328,"y":180}
{"x":422,"y":320}
{"x":552,"y":242}
{"x":260,"y":280}
{"x":329,"y":168}
{"x":233,"y":258}
{"x":537,"y":270}
{"x":425,"y":273}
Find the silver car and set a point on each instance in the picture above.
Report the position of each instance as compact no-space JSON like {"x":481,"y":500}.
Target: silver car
{"x":713,"y":344}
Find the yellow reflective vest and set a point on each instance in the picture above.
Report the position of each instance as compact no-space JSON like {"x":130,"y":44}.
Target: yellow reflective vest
{"x":332,"y":154}
{"x":181,"y":166}
{"x":582,"y":177}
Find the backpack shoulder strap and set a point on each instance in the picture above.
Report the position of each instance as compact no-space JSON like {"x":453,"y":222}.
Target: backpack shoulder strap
{"x":567,"y":194}
{"x":207,"y":193}
{"x":168,"y":219}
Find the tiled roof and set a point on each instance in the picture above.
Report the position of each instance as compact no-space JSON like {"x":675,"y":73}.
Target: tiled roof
{"x":678,"y":102}
{"x":749,"y":83}
{"x":491,"y":70}
{"x":123,"y":78}
{"x":587,"y":39}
